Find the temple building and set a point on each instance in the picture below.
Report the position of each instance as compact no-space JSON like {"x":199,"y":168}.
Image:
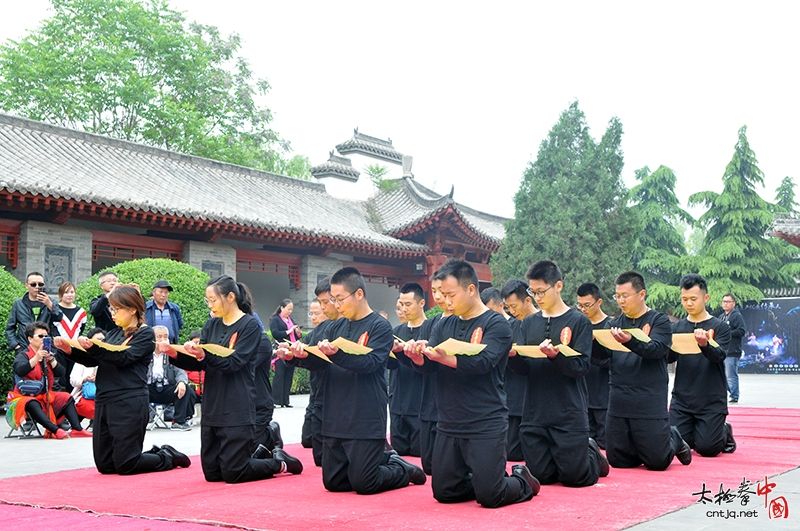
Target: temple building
{"x":75,"y":203}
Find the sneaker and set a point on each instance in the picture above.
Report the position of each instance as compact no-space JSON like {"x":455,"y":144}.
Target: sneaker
{"x":79,"y":433}
{"x":180,"y":427}
{"x":61,"y":434}
{"x":733,"y":401}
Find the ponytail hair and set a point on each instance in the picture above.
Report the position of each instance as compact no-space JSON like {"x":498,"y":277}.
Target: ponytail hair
{"x":126,"y":296}
{"x":225,"y":284}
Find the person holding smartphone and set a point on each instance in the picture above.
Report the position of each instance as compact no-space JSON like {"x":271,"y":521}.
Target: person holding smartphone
{"x":35,"y":306}
{"x":37,"y":363}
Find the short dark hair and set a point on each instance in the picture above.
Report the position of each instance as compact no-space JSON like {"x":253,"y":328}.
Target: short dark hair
{"x":94,"y":331}
{"x":323,"y":286}
{"x":461,"y":270}
{"x":731,"y":295}
{"x":588,"y":288}
{"x":31,"y":328}
{"x":31,"y":274}
{"x":636,"y":280}
{"x":516,"y":287}
{"x":194,"y":334}
{"x":691,"y":280}
{"x":413,"y":287}
{"x":350,"y":278}
{"x":546,"y":271}
{"x":106,"y":273}
{"x":491,"y":294}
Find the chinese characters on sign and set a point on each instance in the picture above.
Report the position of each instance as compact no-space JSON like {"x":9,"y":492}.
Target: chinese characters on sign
{"x":777,"y":506}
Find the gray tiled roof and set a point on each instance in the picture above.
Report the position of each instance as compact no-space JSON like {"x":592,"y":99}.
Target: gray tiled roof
{"x":371,"y":147}
{"x":52,"y":161}
{"x":412,"y":203}
{"x":340,"y":167}
{"x":788,"y":224}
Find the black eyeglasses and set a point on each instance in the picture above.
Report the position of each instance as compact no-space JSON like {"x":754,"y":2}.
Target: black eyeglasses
{"x":40,"y":336}
{"x":37,"y":284}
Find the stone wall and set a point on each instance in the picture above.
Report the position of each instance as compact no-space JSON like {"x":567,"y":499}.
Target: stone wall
{"x":58,"y":252}
{"x":214,"y":259}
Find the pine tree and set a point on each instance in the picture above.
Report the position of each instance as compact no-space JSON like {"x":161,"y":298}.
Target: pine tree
{"x":737,"y":256}
{"x":661,"y":246}
{"x":784,"y":197}
{"x":571,"y":208}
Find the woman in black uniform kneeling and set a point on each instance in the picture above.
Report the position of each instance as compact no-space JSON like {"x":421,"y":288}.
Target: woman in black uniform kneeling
{"x":121,"y":412}
{"x":227,"y":432}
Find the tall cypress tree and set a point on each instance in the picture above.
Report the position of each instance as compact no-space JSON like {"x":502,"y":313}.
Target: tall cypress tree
{"x":784,"y":197}
{"x":572,"y":208}
{"x":661,"y":247}
{"x":737,"y":256}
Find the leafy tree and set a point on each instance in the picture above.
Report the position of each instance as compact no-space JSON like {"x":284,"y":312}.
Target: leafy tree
{"x":736,"y":256}
{"x":188,"y":283}
{"x":377,"y":174}
{"x":572,"y":208}
{"x":134,"y":70}
{"x":10,"y":290}
{"x":661,"y":245}
{"x":784,"y":197}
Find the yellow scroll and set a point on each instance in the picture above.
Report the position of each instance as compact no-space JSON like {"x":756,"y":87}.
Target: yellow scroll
{"x":605,"y":338}
{"x":350,"y":347}
{"x":687,"y":344}
{"x":454,"y":346}
{"x":311,"y":349}
{"x":533,"y":351}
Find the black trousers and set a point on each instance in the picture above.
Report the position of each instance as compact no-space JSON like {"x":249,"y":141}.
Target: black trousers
{"x":34,"y":409}
{"x":555,"y":455}
{"x":597,"y":426}
{"x":702,"y":431}
{"x":633,"y":442}
{"x":119,"y":429}
{"x":404,"y":432}
{"x":427,"y":439}
{"x":225,"y":455}
{"x":513,"y":440}
{"x":475,"y":469}
{"x":316,"y":434}
{"x":305,"y":433}
{"x":184,"y":406}
{"x":359,"y":465}
{"x":282,"y":383}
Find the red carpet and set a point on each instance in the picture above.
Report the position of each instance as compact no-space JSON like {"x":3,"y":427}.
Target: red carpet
{"x":768,"y":443}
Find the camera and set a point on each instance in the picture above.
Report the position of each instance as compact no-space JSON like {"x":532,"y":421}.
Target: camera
{"x":47,"y":344}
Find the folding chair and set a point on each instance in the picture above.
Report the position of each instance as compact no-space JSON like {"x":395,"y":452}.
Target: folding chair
{"x":157,"y":419}
{"x":28,"y":430}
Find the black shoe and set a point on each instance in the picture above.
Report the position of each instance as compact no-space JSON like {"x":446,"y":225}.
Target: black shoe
{"x":415,"y":474}
{"x":154,"y":450}
{"x":733,"y":401}
{"x":601,"y":459}
{"x":274,"y":430}
{"x":682,"y":452}
{"x":262,"y":452}
{"x":293,"y":465}
{"x":178,"y":459}
{"x":522,"y":472}
{"x":730,"y":443}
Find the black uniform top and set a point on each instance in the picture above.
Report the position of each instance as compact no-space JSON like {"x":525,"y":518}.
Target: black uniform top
{"x":102,"y":314}
{"x":556,"y":389}
{"x":428,"y":410}
{"x":122,"y":374}
{"x":597,"y":377}
{"x":405,"y":384}
{"x":265,"y":406}
{"x":316,"y":378}
{"x":638,"y":379}
{"x":471,"y":398}
{"x":515,"y":383}
{"x":700,"y":383}
{"x":229,"y":395}
{"x":736,"y":323}
{"x":354,"y":390}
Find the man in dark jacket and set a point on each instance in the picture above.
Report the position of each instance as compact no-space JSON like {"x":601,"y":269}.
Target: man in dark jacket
{"x":99,"y":306}
{"x":160,"y":312}
{"x":733,"y":317}
{"x":35,"y":306}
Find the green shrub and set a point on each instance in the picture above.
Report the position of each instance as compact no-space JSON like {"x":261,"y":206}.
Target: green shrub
{"x":188,"y":283}
{"x":433,"y":312}
{"x":10,"y":290}
{"x":301,"y":382}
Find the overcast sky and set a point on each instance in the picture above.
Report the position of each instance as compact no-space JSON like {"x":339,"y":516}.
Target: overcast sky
{"x":471,"y":89}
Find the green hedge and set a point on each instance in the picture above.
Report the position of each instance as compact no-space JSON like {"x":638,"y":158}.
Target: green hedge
{"x":188,"y":283}
{"x":10,"y":290}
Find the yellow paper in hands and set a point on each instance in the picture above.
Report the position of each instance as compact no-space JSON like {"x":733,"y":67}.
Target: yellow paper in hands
{"x":454,"y":346}
{"x":638,"y":333}
{"x":74,"y":344}
{"x":217,"y":350}
{"x":108,"y":346}
{"x":534,"y":351}
{"x":312,"y":349}
{"x":687,"y":344}
{"x":605,"y":338}
{"x":350,"y":347}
